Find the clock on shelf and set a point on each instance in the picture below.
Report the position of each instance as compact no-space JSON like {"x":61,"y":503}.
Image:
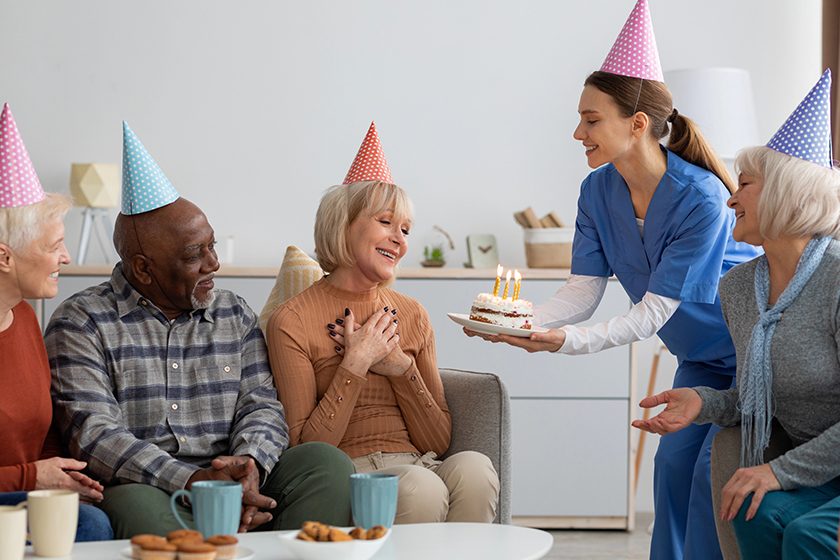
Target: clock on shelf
{"x":482,"y":251}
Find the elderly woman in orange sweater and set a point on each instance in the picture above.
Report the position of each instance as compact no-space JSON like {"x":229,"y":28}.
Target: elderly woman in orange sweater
{"x":373,"y":389}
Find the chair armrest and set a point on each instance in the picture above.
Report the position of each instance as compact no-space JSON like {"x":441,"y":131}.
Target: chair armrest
{"x":479,"y":405}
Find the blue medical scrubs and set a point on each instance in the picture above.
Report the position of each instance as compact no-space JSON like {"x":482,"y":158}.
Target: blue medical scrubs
{"x":687,"y":247}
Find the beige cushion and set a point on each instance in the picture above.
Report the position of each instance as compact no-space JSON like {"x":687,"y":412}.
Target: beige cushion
{"x":297,"y":273}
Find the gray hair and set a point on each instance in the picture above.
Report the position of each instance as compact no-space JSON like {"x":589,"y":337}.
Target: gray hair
{"x":799,"y":198}
{"x":21,"y":225}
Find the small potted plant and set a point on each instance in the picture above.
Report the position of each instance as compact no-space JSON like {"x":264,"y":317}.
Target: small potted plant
{"x":434,"y":256}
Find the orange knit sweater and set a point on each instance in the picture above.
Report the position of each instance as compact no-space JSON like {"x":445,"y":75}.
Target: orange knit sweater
{"x":25,"y":404}
{"x":325,"y":402}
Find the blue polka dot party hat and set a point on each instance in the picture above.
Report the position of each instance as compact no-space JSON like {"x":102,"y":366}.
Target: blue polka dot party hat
{"x":806,"y":134}
{"x":144,"y":186}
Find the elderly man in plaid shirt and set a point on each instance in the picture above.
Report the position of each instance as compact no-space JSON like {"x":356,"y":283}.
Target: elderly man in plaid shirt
{"x":160,"y":381}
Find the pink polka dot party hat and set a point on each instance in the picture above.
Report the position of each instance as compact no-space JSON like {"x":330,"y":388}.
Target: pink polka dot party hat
{"x":370,"y":163}
{"x":634,"y":53}
{"x":19,"y":185}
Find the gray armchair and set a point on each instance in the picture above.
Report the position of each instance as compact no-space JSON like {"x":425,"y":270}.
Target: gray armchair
{"x":480,"y":408}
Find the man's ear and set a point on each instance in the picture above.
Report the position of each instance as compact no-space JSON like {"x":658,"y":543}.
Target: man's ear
{"x":141,"y":269}
{"x":6,"y":257}
{"x":641,"y":122}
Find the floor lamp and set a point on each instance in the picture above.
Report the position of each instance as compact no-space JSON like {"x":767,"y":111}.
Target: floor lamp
{"x":95,"y":186}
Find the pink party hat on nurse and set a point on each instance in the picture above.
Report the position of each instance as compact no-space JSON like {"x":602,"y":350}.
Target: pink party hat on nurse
{"x":144,"y":186}
{"x":806,"y":133}
{"x":370,"y":163}
{"x":19,"y":185}
{"x":634,"y":53}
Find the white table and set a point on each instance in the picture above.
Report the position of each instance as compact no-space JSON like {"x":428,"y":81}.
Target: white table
{"x":407,"y":542}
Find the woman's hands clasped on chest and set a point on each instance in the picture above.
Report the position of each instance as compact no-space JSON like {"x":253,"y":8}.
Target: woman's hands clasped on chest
{"x":373,"y":346}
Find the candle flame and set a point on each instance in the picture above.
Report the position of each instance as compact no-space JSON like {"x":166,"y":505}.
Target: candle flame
{"x":499,"y":270}
{"x":517,"y":275}
{"x":507,"y":278}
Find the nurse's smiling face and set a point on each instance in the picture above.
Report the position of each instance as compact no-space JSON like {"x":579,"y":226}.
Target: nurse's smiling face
{"x":606,"y":135}
{"x":745,"y":204}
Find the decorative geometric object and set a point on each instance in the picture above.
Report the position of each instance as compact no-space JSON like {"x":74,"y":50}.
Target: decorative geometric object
{"x":806,"y":133}
{"x":634,"y":53}
{"x":95,"y":184}
{"x":144,"y":186}
{"x":370,"y":163}
{"x":19,"y":185}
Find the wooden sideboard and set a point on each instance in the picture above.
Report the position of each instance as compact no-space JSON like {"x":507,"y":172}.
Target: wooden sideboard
{"x":572,"y":449}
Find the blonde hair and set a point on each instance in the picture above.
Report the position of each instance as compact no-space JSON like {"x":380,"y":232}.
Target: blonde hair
{"x":21,"y":225}
{"x":341,"y":205}
{"x":652,"y":98}
{"x":799,"y":198}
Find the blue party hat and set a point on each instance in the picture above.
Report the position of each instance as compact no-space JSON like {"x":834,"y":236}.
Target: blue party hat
{"x":806,"y":133}
{"x":144,"y":186}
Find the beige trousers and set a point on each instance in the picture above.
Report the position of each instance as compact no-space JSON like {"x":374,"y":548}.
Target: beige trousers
{"x":464,"y":487}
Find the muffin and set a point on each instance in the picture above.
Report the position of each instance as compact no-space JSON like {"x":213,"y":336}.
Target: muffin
{"x":196,"y":551}
{"x":185,"y":533}
{"x":154,"y":550}
{"x":225,"y":546}
{"x":137,"y":542}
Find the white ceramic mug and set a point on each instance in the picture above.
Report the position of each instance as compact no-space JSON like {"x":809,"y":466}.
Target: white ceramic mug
{"x":53,"y":518}
{"x":12,"y":532}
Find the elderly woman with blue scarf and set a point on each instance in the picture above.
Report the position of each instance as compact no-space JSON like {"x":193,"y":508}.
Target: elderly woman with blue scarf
{"x":783,"y":312}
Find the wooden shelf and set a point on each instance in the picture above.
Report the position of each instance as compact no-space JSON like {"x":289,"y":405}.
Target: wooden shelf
{"x":407,"y":273}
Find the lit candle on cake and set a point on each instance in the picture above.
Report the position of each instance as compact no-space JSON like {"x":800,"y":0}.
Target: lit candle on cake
{"x":507,"y":281}
{"x":516,"y":284}
{"x":499,"y":270}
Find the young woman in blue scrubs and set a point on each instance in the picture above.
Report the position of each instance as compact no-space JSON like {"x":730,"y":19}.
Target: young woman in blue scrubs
{"x":657,"y":219}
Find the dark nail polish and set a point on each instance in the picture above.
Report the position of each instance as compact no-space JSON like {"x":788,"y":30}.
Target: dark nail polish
{"x":332,"y":333}
{"x":396,"y":321}
{"x":330,"y":326}
{"x":386,"y":308}
{"x":393,"y":312}
{"x":340,"y":321}
{"x":346,"y":311}
{"x":338,"y":348}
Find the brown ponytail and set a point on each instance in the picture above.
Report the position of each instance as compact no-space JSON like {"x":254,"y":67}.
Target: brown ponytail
{"x":653,"y":99}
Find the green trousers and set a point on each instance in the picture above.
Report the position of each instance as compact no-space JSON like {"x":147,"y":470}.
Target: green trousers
{"x":310,"y":482}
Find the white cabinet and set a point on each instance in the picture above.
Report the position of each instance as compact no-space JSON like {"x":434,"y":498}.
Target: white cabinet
{"x":572,"y":452}
{"x":571,"y":414}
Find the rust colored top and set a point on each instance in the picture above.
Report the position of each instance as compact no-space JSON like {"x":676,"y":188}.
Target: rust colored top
{"x":360,"y":415}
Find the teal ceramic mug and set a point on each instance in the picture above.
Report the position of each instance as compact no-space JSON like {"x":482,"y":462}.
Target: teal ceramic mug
{"x":373,"y":499}
{"x":216,"y":506}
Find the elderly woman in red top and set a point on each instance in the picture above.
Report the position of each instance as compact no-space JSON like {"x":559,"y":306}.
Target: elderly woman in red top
{"x":31,"y":252}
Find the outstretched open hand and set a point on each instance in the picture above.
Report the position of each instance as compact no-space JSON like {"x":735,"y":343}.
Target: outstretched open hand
{"x":683,"y":406}
{"x":549,"y":341}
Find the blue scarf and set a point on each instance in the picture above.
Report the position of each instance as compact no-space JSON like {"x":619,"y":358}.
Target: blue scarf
{"x":755,"y":392}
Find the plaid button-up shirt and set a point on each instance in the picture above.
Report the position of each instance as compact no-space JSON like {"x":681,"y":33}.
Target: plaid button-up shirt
{"x":145,"y":399}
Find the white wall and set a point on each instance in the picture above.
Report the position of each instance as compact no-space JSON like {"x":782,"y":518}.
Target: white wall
{"x":253,"y":108}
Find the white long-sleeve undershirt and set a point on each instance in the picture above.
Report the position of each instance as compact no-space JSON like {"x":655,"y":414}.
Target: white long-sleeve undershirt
{"x":577,"y":300}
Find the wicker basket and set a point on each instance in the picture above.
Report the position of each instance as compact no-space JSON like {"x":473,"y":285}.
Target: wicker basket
{"x":549,"y":247}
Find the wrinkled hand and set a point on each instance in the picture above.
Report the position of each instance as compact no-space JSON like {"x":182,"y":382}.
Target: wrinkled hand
{"x":63,"y":474}
{"x":396,"y":363}
{"x":244,"y":471}
{"x":683,"y":407}
{"x":754,"y":480}
{"x":370,"y":343}
{"x":549,"y":341}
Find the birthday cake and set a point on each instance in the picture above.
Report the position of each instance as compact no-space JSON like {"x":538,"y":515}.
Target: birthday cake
{"x":516,"y":314}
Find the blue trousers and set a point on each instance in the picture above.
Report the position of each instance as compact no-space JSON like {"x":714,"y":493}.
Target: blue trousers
{"x":796,"y":524}
{"x":93,"y":523}
{"x":684,"y":523}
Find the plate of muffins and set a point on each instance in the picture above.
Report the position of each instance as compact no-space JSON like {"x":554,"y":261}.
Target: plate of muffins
{"x":186,"y":544}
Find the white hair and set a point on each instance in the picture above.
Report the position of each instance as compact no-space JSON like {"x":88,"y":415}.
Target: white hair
{"x":21,"y":225}
{"x":799,"y":198}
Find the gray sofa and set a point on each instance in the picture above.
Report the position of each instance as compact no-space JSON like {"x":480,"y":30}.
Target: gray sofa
{"x":480,"y":408}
